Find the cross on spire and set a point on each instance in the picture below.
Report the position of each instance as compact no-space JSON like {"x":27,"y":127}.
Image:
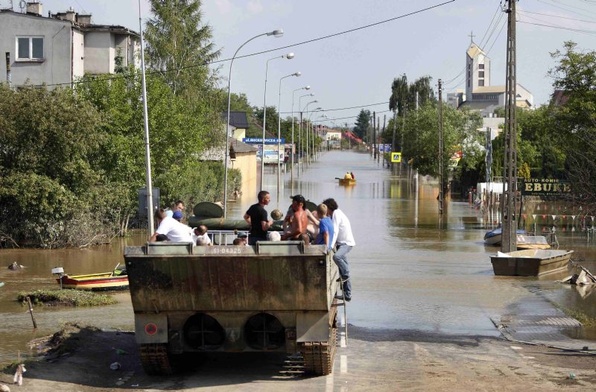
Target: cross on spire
{"x":471,"y":37}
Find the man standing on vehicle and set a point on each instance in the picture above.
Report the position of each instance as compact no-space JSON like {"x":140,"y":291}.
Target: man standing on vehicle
{"x":343,"y":241}
{"x":256,"y":217}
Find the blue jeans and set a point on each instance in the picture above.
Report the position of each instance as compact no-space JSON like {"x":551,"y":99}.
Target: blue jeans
{"x":344,"y":268}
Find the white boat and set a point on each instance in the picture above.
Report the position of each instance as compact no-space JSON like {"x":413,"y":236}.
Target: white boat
{"x":493,"y":237}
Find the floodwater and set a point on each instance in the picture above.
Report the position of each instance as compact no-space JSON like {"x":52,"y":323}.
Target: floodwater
{"x":412,"y":269}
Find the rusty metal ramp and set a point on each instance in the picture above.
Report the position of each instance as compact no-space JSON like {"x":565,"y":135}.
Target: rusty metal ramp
{"x":535,"y":320}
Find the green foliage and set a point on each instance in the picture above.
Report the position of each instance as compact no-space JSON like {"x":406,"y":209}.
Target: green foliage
{"x":574,"y":117}
{"x":409,"y":97}
{"x":52,"y":191}
{"x":421,"y":138}
{"x":363,"y":122}
{"x":179,"y":46}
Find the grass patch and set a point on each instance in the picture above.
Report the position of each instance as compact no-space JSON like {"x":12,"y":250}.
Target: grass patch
{"x":66,"y":298}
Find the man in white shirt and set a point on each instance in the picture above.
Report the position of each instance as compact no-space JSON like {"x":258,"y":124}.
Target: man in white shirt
{"x":343,"y":241}
{"x":171,"y":228}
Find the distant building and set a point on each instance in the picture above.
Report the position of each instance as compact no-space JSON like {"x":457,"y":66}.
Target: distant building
{"x":59,"y":48}
{"x":480,"y":96}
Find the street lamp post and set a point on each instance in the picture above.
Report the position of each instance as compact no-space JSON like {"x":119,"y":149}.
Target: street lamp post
{"x":288,"y":56}
{"x":309,"y":123}
{"x":293,"y":147}
{"x":300,"y":127}
{"x":322,"y":118}
{"x":149,"y":185}
{"x":279,"y":132}
{"x":275,"y":33}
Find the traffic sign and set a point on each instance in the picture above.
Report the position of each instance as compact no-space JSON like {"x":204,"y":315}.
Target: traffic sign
{"x":396,"y":157}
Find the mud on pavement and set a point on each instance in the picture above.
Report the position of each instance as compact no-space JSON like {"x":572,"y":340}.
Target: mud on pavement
{"x":85,"y":359}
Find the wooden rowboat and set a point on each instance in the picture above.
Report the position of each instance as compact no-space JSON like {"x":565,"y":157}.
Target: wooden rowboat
{"x":530,"y":262}
{"x":114,"y":280}
{"x":347,"y":181}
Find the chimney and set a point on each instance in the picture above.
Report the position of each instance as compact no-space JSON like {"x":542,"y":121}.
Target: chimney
{"x":84,"y":19}
{"x":34,"y":8}
{"x":71,"y":15}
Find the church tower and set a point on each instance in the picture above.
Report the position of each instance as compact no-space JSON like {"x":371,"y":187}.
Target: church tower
{"x":477,"y":69}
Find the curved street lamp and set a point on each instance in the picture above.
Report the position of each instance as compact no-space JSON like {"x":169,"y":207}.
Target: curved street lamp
{"x":300,"y":126}
{"x":279,"y":132}
{"x":275,"y":33}
{"x":293,"y":148}
{"x":288,"y":56}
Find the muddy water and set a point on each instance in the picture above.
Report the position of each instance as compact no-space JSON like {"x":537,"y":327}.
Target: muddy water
{"x":411,"y":268}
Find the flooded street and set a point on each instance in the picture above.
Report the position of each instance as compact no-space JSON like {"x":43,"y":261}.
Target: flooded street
{"x":411,"y":270}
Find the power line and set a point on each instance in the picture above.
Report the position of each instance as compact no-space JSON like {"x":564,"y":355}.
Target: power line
{"x":284,"y":47}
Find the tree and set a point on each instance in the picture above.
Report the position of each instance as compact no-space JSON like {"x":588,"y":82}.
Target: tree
{"x":575,"y":117}
{"x":52,"y":191}
{"x":179,"y":46}
{"x":409,"y":97}
{"x":362,"y":124}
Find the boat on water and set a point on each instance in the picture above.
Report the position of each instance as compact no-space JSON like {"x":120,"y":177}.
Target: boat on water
{"x":530,"y":262}
{"x":112,"y":280}
{"x":532,"y":242}
{"x":494,"y":236}
{"x":347,"y":181}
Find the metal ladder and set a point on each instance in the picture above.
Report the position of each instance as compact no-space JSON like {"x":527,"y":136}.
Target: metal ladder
{"x":343,"y":303}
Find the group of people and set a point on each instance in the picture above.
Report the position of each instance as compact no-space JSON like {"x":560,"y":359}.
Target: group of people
{"x":330,"y":227}
{"x":349,"y":176}
{"x":170,"y":227}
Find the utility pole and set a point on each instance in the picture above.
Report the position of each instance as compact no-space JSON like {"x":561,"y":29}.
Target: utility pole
{"x":382,"y":133}
{"x":441,"y":170}
{"x":509,"y":239}
{"x":374,"y":136}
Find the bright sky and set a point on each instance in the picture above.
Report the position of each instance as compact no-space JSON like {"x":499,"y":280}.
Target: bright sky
{"x":349,"y":66}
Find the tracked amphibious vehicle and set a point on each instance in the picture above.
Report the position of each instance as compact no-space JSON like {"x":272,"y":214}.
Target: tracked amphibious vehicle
{"x":273,"y":296}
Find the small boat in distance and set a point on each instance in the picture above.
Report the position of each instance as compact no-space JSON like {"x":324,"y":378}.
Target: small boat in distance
{"x":113,"y":280}
{"x":347,"y":181}
{"x":494,"y":236}
{"x":530,"y":262}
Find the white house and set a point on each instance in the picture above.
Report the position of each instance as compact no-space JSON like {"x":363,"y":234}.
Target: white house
{"x":57,"y":49}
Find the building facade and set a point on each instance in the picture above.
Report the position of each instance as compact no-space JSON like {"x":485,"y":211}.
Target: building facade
{"x":57,"y":49}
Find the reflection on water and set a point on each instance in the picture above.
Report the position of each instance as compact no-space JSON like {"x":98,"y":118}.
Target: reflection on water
{"x":411,"y":268}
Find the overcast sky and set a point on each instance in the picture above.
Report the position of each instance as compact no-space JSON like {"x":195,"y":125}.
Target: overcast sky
{"x":350,"y":66}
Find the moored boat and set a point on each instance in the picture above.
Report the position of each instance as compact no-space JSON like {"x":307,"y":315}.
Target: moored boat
{"x":113,"y":280}
{"x":494,"y":236}
{"x":530,"y":262}
{"x":532,"y":242}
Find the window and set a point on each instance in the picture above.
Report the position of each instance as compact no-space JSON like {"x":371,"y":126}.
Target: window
{"x":481,"y":83}
{"x":480,"y":66}
{"x":29,"y":48}
{"x":480,"y":74}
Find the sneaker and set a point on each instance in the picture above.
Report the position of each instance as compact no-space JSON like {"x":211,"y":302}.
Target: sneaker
{"x":339,"y":280}
{"x":348,"y":299}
